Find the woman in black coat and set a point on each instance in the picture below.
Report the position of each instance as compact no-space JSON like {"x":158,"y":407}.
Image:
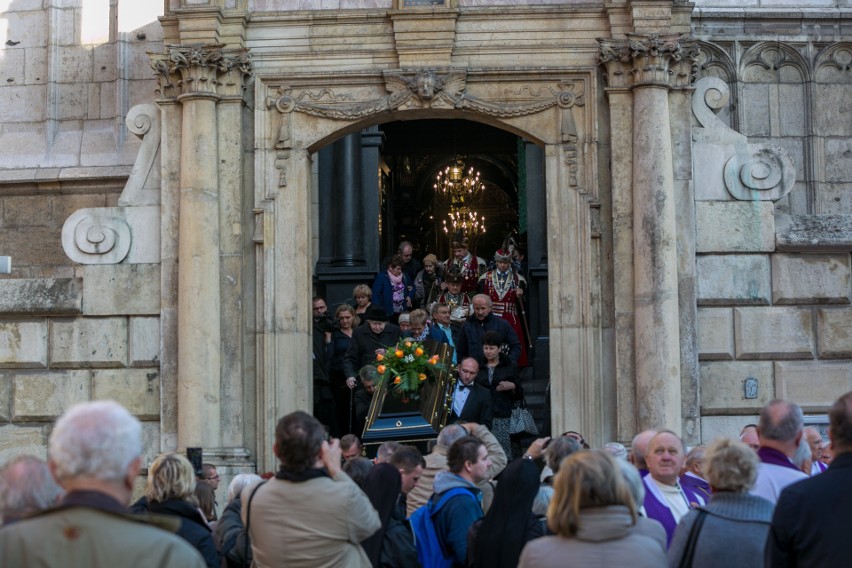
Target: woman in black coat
{"x":393,"y":545}
{"x":170,"y":491}
{"x":500,"y":375}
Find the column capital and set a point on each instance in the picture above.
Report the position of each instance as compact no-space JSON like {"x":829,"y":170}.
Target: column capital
{"x":201,"y":70}
{"x":645,"y":60}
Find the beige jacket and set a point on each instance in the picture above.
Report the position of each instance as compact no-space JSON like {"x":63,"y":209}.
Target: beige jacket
{"x":313,"y":524}
{"x":437,"y":462}
{"x":82,"y":536}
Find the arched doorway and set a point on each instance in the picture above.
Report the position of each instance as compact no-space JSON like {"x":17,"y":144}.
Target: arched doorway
{"x":376,"y":189}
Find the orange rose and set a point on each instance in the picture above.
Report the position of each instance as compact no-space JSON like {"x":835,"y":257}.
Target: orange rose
{"x":421,"y":376}
{"x":381,"y":369}
{"x":380,"y":357}
{"x":399,"y":354}
{"x":408,"y":344}
{"x":418,"y":352}
{"x":397,"y":380}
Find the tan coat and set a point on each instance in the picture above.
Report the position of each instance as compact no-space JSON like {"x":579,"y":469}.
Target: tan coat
{"x":436,"y":462}
{"x":606,"y":537}
{"x":313,"y":524}
{"x":83,"y":536}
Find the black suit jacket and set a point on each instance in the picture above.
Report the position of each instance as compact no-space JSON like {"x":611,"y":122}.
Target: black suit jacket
{"x":811,"y":523}
{"x":477,"y":408}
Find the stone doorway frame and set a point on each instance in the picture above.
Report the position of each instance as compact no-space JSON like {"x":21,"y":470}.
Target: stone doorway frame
{"x":296,"y":115}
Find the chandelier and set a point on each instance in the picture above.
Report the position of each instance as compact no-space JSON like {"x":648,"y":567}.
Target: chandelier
{"x":459,"y":185}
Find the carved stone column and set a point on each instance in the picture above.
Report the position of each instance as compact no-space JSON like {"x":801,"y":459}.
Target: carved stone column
{"x":196,"y":77}
{"x":645,"y":63}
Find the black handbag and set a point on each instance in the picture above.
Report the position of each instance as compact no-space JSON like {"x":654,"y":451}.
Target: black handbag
{"x":692,"y":540}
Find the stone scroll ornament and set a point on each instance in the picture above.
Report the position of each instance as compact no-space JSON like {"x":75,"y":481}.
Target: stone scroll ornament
{"x":752,"y":172}
{"x":96,"y":236}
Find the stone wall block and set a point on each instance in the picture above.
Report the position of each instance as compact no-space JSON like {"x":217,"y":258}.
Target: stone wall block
{"x":834,"y":332}
{"x":88,"y":342}
{"x":20,"y":440}
{"x":41,"y":296}
{"x":838,"y":160}
{"x":811,"y":279}
{"x":715,"y":334}
{"x":23,"y":344}
{"x":723,"y":386}
{"x":144,"y":342}
{"x":733,"y":280}
{"x":138,"y":390}
{"x":815,"y":232}
{"x":812,"y":385}
{"x":713,"y":427}
{"x":734,"y":226}
{"x":709,"y":164}
{"x":150,"y":442}
{"x":46,"y":395}
{"x":112,"y":289}
{"x":773,"y":333}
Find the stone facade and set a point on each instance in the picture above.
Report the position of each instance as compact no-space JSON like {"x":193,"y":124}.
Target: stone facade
{"x":161,"y":208}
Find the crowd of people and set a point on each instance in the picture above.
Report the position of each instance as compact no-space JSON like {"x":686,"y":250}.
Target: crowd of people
{"x":757,"y":499}
{"x":476,"y":309}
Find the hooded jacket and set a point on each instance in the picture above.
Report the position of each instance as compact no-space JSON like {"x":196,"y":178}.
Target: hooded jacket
{"x":455,"y":518}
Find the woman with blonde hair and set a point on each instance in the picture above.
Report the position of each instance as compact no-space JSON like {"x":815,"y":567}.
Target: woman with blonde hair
{"x":594,"y":517}
{"x":171,"y":491}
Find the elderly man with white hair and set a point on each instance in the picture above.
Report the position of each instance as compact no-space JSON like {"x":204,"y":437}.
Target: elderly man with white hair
{"x":95,"y":455}
{"x":26,"y":487}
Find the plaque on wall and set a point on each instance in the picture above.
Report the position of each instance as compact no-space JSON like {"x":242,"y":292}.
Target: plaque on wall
{"x":410,"y":3}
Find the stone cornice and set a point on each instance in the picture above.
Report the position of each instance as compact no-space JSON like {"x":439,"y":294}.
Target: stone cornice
{"x":201,"y":71}
{"x":669,"y":61}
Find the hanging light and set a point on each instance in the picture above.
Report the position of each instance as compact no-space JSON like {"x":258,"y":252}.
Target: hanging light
{"x":460,"y":183}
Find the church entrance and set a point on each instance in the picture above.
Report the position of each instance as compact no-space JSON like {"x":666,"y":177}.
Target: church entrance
{"x":391,"y":183}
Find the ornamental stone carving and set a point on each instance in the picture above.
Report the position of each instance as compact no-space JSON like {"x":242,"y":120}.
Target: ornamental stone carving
{"x":750,"y":172}
{"x":208,"y":69}
{"x":649,"y":60}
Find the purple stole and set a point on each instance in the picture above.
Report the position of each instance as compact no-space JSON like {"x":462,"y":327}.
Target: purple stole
{"x":696,"y":484}
{"x":774,"y":457}
{"x":658,"y":509}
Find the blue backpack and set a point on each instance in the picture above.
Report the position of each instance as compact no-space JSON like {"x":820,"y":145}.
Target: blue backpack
{"x":430,"y":549}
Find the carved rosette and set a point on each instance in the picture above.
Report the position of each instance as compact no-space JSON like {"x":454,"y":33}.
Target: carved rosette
{"x":201,"y":70}
{"x":669,"y":61}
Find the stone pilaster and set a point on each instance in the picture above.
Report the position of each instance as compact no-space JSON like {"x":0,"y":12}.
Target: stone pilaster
{"x":199,"y":78}
{"x":645,"y":68}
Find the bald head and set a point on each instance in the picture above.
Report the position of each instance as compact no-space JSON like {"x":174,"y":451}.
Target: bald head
{"x":748,"y":435}
{"x":639,"y":448}
{"x":780,"y":426}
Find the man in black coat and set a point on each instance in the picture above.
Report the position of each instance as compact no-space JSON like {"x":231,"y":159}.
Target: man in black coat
{"x":471,"y":401}
{"x":482,"y":320}
{"x":811,"y":523}
{"x":368,"y":340}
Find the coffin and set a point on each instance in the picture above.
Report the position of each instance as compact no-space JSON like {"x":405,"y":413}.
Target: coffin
{"x":416,"y":420}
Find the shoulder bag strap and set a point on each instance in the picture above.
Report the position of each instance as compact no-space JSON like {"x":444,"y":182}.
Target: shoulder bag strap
{"x":248,"y":518}
{"x":692,"y":541}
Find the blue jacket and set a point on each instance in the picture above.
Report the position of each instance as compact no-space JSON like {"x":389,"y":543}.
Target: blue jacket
{"x":383,"y":292}
{"x":455,"y":518}
{"x":435,"y":333}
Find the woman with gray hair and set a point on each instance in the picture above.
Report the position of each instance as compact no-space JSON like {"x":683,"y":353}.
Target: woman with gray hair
{"x":731,"y":529}
{"x":230,"y":533}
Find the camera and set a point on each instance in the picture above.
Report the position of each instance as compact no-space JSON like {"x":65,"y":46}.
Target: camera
{"x":326,"y":324}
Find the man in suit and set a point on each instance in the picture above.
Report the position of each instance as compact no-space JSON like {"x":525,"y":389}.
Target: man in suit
{"x":471,"y":401}
{"x":810,"y":526}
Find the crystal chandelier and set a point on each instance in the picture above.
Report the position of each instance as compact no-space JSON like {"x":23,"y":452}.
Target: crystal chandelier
{"x":460,"y":185}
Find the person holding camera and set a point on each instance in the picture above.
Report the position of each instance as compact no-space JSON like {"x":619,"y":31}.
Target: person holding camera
{"x":324,"y":410}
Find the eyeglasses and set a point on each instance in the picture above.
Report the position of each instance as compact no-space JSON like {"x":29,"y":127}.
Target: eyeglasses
{"x":214,"y":477}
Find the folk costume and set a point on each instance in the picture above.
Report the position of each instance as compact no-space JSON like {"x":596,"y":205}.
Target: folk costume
{"x":470,"y":267}
{"x":502,"y":288}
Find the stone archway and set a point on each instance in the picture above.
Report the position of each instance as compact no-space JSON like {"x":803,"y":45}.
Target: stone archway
{"x":299,"y":114}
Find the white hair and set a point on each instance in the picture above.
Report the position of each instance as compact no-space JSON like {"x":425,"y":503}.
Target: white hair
{"x":616,"y":450}
{"x":240,"y":482}
{"x":634,"y":481}
{"x":97,"y":439}
{"x":26,"y":486}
